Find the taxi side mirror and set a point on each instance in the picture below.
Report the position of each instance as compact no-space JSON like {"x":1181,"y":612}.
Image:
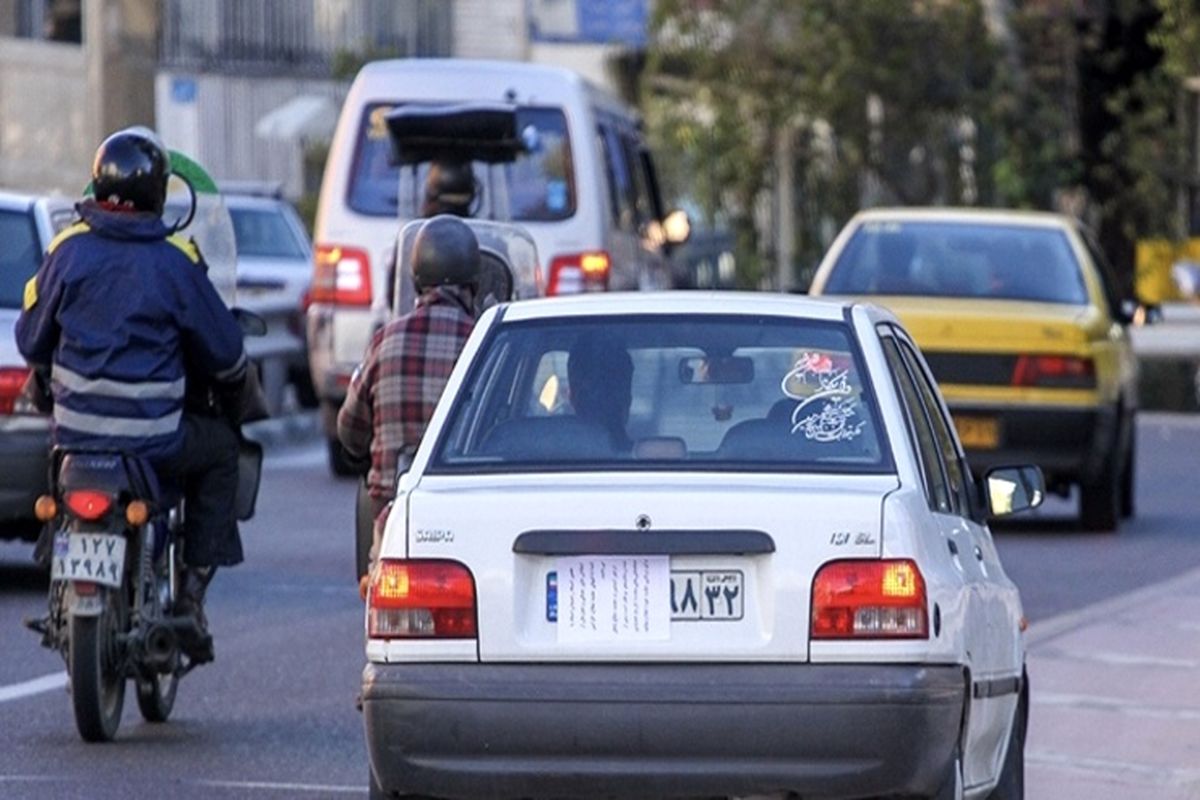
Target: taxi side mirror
{"x":1009,"y":490}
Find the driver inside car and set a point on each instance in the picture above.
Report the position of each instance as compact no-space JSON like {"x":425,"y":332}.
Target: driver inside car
{"x":124,"y":319}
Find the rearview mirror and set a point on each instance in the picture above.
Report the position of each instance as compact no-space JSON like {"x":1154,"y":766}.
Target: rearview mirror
{"x":718,"y":369}
{"x":1013,"y":489}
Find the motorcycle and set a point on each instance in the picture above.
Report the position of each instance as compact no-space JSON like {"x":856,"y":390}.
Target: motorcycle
{"x":114,"y":540}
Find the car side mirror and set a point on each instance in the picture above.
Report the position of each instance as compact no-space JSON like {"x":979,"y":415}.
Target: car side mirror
{"x":1009,"y":490}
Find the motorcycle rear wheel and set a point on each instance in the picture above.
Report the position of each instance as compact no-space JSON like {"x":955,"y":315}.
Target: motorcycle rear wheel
{"x":97,"y":677}
{"x":156,"y":696}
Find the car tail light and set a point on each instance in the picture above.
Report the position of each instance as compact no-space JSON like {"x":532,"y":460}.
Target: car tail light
{"x":867,"y":599}
{"x":88,"y":504}
{"x":1062,"y":372}
{"x":12,"y":379}
{"x":421,"y":599}
{"x":341,"y":275}
{"x":579,"y":272}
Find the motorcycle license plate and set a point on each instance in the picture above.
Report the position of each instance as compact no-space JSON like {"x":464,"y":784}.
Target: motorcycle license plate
{"x":95,"y":557}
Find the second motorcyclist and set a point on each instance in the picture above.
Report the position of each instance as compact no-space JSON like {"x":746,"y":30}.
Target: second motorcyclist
{"x":408,"y":363}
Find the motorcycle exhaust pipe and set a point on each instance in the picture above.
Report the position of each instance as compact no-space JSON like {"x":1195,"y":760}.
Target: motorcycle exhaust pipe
{"x":160,"y":646}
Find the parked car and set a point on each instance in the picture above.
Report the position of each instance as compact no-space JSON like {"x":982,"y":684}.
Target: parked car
{"x":694,"y":544}
{"x":274,"y":267}
{"x":274,"y":264}
{"x":1020,"y":318}
{"x":586,"y":191}
{"x":27,"y":226}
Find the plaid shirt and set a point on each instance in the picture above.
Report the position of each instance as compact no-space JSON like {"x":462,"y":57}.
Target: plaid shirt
{"x":394,"y":391}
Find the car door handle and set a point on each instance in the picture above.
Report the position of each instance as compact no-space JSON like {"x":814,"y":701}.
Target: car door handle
{"x":953,"y":545}
{"x":978,"y":552}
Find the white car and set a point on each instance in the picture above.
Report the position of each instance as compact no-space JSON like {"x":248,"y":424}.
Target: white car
{"x":695,"y":544}
{"x":27,"y":226}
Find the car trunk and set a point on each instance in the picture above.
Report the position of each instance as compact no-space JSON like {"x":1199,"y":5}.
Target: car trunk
{"x":640,"y":566}
{"x":995,"y":326}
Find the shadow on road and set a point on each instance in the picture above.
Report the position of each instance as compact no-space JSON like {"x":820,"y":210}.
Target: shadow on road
{"x":23,"y":578}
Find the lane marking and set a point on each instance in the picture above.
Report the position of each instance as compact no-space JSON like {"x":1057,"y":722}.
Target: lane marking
{"x":278,"y":787}
{"x":46,"y":683}
{"x":1110,"y":659}
{"x":1127,"y":707}
{"x":266,"y":786}
{"x":1122,"y":771}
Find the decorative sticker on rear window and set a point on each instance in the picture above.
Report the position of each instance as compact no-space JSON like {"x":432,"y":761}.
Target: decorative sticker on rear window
{"x":815,"y":378}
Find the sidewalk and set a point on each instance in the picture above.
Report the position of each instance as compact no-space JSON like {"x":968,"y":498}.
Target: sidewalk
{"x":1116,"y":698}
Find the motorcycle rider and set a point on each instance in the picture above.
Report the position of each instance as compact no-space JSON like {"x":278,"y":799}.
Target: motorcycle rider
{"x":119,"y":313}
{"x":393,"y":392}
{"x":449,"y":188}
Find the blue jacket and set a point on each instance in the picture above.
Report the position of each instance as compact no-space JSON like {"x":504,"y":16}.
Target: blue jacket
{"x":116,"y":310}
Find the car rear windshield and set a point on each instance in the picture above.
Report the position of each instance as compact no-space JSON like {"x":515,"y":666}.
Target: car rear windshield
{"x":540,"y":183}
{"x":264,"y":233}
{"x":959,"y":259}
{"x":19,"y":257}
{"x":704,"y":392}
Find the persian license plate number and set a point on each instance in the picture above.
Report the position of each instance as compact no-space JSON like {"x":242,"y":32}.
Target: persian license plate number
{"x":95,"y":557}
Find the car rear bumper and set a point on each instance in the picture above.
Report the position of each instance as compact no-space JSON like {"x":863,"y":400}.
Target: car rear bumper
{"x":24,"y":456}
{"x":653,"y":730}
{"x":1068,"y":444}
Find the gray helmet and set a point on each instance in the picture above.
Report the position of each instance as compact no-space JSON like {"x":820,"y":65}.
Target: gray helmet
{"x":445,"y":253}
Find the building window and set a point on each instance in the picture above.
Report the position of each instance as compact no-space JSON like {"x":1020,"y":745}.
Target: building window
{"x":49,"y":20}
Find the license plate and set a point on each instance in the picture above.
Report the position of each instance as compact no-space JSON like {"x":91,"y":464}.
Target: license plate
{"x":978,"y":433}
{"x":695,"y":595}
{"x":95,"y":557}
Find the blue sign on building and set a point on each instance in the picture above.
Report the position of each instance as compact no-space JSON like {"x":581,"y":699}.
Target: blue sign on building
{"x":589,"y":21}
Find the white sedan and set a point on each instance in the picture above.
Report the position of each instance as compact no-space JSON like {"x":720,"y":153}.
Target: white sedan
{"x":695,"y":545}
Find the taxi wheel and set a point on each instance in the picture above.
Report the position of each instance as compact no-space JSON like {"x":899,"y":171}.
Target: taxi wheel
{"x":1100,"y":502}
{"x":1129,"y":475}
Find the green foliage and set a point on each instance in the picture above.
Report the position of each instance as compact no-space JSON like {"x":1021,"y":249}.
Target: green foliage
{"x":1052,"y":99}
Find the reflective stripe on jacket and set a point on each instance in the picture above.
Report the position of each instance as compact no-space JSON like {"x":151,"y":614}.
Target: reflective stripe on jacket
{"x":118,"y":309}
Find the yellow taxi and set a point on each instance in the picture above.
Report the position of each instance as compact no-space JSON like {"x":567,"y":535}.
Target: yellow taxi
{"x":1019,"y":317}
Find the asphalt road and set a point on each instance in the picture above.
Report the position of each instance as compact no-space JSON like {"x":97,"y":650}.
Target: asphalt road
{"x":274,"y":716}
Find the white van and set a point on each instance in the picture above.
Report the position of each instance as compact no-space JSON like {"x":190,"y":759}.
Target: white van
{"x":587,"y":194}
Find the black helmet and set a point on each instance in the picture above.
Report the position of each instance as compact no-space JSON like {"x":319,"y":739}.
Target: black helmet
{"x":131,"y":168}
{"x":445,"y":253}
{"x":449,"y":188}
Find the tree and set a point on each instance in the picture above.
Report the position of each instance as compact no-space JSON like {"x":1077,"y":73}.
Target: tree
{"x":872,"y":94}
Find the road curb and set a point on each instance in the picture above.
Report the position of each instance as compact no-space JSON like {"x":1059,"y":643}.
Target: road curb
{"x":1049,"y":629}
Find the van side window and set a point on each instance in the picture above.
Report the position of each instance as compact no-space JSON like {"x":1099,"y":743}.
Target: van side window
{"x":643,"y":205}
{"x":610,"y":174}
{"x":623,"y":179}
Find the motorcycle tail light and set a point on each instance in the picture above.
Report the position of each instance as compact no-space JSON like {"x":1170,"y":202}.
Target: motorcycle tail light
{"x":868,"y":599}
{"x":414,"y":599}
{"x":87,"y":504}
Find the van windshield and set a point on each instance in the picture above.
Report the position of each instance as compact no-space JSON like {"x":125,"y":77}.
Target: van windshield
{"x":541,"y":184}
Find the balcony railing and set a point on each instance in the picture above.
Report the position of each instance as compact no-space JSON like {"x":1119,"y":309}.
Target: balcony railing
{"x":313,"y":38}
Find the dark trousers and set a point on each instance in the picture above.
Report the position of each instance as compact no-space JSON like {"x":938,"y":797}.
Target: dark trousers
{"x":207,"y":469}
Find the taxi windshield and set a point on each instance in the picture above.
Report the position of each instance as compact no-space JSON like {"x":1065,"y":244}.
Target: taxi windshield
{"x":666,"y":392}
{"x":959,"y":259}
